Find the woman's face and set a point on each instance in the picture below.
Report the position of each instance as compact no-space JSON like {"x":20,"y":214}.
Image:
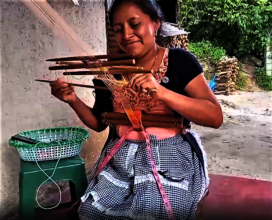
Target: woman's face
{"x":134,"y":30}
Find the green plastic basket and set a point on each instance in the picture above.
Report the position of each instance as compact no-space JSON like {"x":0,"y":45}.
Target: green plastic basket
{"x":60,"y":142}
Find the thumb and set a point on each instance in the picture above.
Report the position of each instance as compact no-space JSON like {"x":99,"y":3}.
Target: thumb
{"x":59,"y":79}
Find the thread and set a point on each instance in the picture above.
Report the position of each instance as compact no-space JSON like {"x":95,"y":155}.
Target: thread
{"x":48,"y":178}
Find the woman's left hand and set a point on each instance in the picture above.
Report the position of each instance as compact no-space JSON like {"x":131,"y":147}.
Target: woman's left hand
{"x":146,"y":83}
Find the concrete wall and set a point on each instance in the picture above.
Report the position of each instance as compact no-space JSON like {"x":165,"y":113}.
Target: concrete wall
{"x":25,"y":104}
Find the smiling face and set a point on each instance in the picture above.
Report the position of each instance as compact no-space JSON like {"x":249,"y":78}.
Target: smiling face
{"x":134,"y":30}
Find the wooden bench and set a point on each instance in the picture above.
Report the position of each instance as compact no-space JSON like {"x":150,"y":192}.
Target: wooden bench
{"x":230,"y":198}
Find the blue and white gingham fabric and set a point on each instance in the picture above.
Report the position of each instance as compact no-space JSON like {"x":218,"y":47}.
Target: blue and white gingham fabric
{"x":126,"y":188}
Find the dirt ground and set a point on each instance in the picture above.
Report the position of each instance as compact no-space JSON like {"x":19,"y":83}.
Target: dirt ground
{"x":243,"y":144}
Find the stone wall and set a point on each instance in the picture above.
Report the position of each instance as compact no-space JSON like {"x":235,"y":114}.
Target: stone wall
{"x":25,"y":104}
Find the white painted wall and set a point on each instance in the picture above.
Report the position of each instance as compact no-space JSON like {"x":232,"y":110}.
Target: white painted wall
{"x":25,"y":104}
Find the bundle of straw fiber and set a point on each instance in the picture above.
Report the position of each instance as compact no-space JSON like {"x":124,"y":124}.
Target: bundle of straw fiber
{"x":226,"y":76}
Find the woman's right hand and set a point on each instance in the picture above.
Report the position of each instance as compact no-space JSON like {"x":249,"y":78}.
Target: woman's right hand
{"x":63,"y":91}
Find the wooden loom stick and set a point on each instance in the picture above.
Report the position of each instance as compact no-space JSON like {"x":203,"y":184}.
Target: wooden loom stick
{"x":97,"y":57}
{"x":93,"y":65}
{"x":69,"y":63}
{"x":145,"y":123}
{"x":127,"y":67}
{"x":74,"y":84}
{"x":145,"y":117}
{"x":114,"y":72}
{"x":65,"y":63}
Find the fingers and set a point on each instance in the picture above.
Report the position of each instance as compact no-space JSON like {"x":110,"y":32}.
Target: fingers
{"x":135,"y":83}
{"x":136,"y":79}
{"x":58,"y":85}
{"x":56,"y":81}
{"x":144,"y":83}
{"x":67,"y":92}
{"x":144,"y":87}
{"x":64,"y":94}
{"x":62,"y":90}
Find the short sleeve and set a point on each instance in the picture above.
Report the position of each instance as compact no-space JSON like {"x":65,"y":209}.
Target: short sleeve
{"x":190,"y":67}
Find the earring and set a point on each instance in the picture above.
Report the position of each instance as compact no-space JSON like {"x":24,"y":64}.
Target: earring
{"x":156,"y":33}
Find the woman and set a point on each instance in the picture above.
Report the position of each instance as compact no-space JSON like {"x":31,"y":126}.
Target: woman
{"x":126,"y":188}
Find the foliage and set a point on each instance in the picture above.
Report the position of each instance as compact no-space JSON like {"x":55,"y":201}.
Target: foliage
{"x":263,"y":80}
{"x":239,"y":26}
{"x":206,"y":51}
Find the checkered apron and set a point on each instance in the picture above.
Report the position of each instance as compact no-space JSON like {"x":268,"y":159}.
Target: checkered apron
{"x":126,"y":187}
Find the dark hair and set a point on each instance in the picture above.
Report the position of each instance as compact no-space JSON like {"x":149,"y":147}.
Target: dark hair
{"x":149,"y":7}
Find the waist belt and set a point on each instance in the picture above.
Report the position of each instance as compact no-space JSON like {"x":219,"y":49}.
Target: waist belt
{"x":147,"y":120}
